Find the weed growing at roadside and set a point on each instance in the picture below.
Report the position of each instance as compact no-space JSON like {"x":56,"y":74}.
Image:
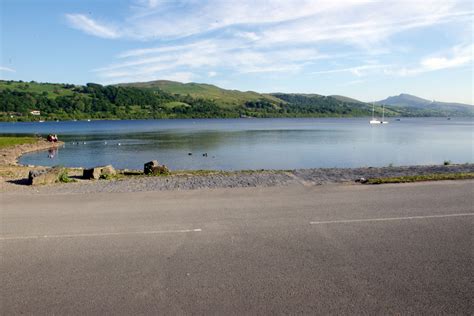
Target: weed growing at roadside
{"x":64,"y":177}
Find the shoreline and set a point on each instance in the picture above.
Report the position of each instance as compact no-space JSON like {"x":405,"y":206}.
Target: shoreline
{"x":12,"y":176}
{"x":12,"y":173}
{"x":11,"y":155}
{"x":229,"y":180}
{"x":368,"y":117}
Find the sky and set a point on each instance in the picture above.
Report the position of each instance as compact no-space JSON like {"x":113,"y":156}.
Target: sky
{"x":365,"y":49}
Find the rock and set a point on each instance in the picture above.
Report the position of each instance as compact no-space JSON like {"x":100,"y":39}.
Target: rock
{"x":44,"y":176}
{"x":160,"y":170}
{"x":361,"y":180}
{"x":97,"y":172}
{"x":153,"y":168}
{"x":148,"y":167}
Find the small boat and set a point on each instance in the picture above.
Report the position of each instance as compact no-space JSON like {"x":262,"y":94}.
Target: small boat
{"x":374,"y":120}
{"x":88,"y":120}
{"x":41,"y":121}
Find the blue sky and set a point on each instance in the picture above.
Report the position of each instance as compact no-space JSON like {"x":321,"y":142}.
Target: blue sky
{"x":365,"y":49}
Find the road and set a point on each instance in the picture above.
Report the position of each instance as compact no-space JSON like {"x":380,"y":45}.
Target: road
{"x":341,"y":249}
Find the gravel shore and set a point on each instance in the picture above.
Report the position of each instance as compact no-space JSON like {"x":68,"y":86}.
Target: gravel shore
{"x":306,"y":177}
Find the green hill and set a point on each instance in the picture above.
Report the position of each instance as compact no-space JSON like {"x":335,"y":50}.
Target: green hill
{"x":51,"y":90}
{"x":221,"y":96}
{"x":345,"y":99}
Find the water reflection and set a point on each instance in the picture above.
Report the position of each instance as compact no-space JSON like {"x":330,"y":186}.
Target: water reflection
{"x":52,"y":152}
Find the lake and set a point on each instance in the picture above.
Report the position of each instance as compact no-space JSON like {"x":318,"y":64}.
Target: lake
{"x":233,"y":144}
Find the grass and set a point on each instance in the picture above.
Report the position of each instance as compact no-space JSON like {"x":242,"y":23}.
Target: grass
{"x":64,"y":177}
{"x":420,"y":178}
{"x":13,"y":141}
{"x":227,"y":98}
{"x":52,"y":89}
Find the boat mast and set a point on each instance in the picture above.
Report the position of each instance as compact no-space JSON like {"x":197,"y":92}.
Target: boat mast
{"x":383,"y":113}
{"x":373,"y":109}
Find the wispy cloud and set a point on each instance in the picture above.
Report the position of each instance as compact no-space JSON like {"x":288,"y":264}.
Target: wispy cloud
{"x":279,"y":20}
{"x":206,"y":57}
{"x":458,"y":56}
{"x":6,"y":69}
{"x":358,"y":71}
{"x":92,"y":27}
{"x":261,"y":36}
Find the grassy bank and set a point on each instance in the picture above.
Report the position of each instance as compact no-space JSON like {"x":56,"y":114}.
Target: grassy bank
{"x":420,"y":178}
{"x":12,"y":141}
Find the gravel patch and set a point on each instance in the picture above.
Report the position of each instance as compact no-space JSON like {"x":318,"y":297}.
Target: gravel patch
{"x":307,"y":177}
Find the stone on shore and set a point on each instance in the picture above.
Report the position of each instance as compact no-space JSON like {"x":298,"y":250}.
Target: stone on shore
{"x":44,"y":176}
{"x":154,"y":168}
{"x":97,"y":172}
{"x":148,"y":167}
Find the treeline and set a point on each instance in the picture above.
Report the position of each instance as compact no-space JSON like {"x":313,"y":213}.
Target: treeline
{"x":94,"y":101}
{"x":321,"y":105}
{"x":97,"y":101}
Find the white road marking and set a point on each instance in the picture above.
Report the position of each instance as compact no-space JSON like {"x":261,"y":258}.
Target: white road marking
{"x":151,"y":232}
{"x":390,"y":219}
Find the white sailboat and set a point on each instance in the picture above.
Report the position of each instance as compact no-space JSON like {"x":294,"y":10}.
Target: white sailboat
{"x":376,"y":121}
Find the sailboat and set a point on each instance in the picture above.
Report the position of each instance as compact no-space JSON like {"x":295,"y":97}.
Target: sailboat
{"x":374,"y":120}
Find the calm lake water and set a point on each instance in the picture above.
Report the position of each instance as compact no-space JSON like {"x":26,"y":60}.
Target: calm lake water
{"x":233,"y":144}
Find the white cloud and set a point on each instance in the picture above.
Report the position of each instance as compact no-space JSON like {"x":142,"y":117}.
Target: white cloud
{"x":6,"y":69}
{"x":358,"y":71}
{"x":279,"y":20}
{"x":211,"y":74}
{"x":458,"y":56}
{"x":252,"y":36}
{"x":206,"y":56}
{"x":461,"y":55}
{"x":89,"y":26}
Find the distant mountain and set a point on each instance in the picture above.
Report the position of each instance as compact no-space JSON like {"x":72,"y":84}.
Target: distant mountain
{"x":416,"y":103}
{"x":202,"y":90}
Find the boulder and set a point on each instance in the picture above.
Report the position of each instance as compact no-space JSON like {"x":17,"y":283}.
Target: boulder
{"x":148,"y":167}
{"x":153,"y":168}
{"x":97,"y":172}
{"x":44,"y":176}
{"x":160,"y":170}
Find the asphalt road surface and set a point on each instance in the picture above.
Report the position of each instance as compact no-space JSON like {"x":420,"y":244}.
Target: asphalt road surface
{"x":342,"y":249}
